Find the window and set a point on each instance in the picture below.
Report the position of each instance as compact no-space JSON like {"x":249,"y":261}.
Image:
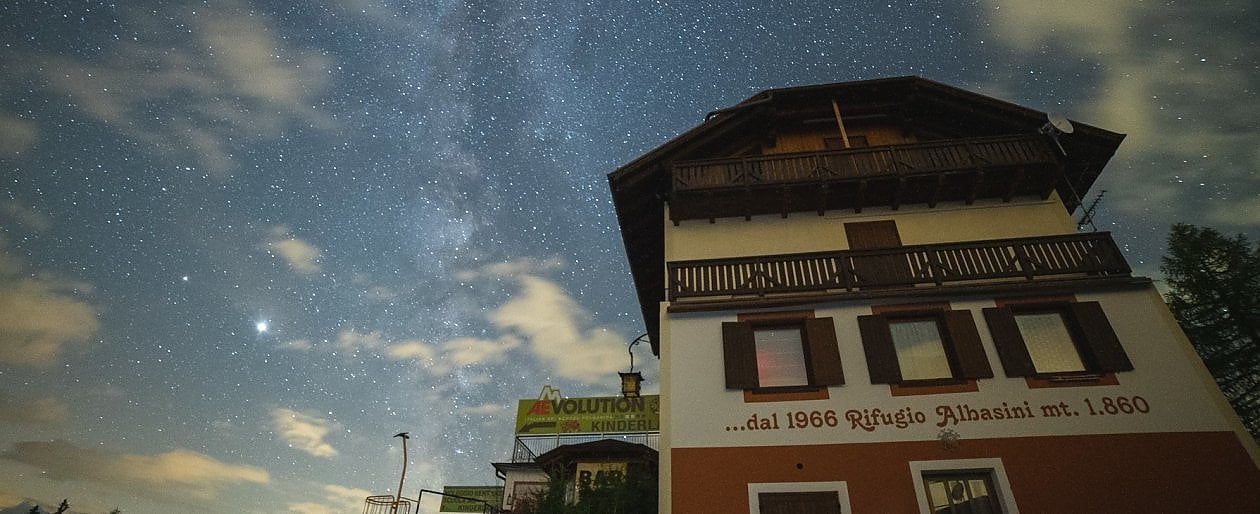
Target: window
{"x":820,"y":502}
{"x":781,"y":351}
{"x":956,"y":486}
{"x":798,"y":498}
{"x":931,"y":346}
{"x":1055,"y":339}
{"x":960,"y":492}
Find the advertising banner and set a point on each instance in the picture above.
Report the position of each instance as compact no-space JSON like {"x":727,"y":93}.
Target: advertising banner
{"x":490,"y":494}
{"x":603,"y":414}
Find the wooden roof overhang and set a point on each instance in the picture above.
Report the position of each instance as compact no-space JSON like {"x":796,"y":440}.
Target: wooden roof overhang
{"x":931,"y":110}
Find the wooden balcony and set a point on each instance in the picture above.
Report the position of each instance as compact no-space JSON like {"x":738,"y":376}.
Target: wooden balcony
{"x":1079,"y":256}
{"x":955,"y":169}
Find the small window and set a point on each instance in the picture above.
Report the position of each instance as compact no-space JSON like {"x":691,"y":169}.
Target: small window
{"x":960,"y":492}
{"x":920,"y":349}
{"x":782,"y":352}
{"x":819,"y":502}
{"x":1055,"y":340}
{"x":1049,"y":342}
{"x":923,"y":347}
{"x":780,"y":357}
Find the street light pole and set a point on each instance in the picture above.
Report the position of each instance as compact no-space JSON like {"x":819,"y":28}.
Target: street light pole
{"x":398,"y":494}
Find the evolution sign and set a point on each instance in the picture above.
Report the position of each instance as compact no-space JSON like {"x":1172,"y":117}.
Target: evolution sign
{"x":550,"y":414}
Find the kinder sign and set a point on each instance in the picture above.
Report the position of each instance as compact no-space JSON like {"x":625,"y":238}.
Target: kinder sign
{"x":553,"y":414}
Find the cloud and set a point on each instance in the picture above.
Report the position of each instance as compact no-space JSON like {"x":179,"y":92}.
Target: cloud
{"x":24,"y":216}
{"x":40,"y":318}
{"x":226,"y":75}
{"x":417,"y":350}
{"x":352,"y":341}
{"x":304,"y":431}
{"x":301,"y":255}
{"x":176,"y":473}
{"x":554,"y":326}
{"x":16,"y":135}
{"x":337,"y":499}
{"x":46,"y":411}
{"x":1171,"y":78}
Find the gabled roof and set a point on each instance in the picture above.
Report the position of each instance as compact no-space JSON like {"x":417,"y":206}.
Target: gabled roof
{"x":934,"y":110}
{"x":601,"y":450}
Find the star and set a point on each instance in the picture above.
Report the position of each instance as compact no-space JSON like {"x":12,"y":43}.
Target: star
{"x":262,"y":326}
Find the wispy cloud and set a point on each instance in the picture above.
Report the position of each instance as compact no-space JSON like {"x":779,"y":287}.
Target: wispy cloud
{"x":45,"y":411}
{"x":16,"y":135}
{"x":337,"y":498}
{"x":165,"y":475}
{"x":558,"y":333}
{"x":40,"y":317}
{"x":227,"y":74}
{"x":1156,"y":72}
{"x":304,"y":432}
{"x":302,"y":256}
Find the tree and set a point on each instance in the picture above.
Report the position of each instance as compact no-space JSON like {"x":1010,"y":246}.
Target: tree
{"x":634,"y":492}
{"x":1214,"y":292}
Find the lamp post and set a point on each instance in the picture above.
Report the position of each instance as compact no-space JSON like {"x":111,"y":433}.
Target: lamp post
{"x":398,"y":494}
{"x":630,"y":381}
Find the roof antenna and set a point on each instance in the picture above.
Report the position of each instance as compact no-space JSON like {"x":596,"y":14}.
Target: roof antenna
{"x":1088,"y":217}
{"x":1057,"y":124}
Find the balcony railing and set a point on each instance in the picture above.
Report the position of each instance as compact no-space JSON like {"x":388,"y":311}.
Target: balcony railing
{"x":1003,"y":260}
{"x":909,"y":159}
{"x":527,"y":448}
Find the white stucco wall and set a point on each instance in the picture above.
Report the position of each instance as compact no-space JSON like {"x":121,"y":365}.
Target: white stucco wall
{"x":701,"y":412}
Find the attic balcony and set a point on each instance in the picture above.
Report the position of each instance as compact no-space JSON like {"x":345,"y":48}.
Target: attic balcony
{"x":929,"y":172}
{"x":906,"y":269}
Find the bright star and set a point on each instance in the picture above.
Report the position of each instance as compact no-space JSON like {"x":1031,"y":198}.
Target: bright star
{"x":261,"y":326}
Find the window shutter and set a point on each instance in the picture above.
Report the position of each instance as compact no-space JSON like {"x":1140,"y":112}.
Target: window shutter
{"x":824,"y":354}
{"x":1099,"y":337}
{"x":972,"y":361}
{"x":1010,"y":345}
{"x":881,"y":355}
{"x":740,"y":355}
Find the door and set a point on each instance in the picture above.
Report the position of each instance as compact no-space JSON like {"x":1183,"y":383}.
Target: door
{"x":881,"y":270}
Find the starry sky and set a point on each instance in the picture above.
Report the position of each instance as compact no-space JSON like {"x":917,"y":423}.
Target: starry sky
{"x":243,"y":243}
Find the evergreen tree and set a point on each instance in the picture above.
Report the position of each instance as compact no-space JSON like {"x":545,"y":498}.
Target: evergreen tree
{"x":1214,"y":292}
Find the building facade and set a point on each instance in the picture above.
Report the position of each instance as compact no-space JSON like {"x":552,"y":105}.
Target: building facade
{"x":872,"y":297}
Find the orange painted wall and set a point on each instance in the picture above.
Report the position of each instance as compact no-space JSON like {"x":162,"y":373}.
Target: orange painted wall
{"x":1163,"y":472}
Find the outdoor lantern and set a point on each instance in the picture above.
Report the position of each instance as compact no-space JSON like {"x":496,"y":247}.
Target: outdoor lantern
{"x":630,"y":383}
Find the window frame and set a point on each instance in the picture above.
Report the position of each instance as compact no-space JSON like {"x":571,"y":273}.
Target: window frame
{"x":964,"y":351}
{"x":819,"y":348}
{"x":991,"y":466}
{"x":755,"y":489}
{"x":1096,"y":342}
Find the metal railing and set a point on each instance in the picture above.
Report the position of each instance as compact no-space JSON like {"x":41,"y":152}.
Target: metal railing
{"x":527,"y":448}
{"x":855,"y":163}
{"x":1024,"y":259}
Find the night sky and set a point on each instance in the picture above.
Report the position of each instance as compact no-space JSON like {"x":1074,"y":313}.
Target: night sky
{"x":242,"y":244}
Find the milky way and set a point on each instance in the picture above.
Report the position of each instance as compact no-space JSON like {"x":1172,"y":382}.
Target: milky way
{"x":243,"y":244}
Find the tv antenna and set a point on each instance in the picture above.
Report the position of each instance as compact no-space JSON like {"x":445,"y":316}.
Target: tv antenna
{"x":1088,"y":217}
{"x":1055,"y":125}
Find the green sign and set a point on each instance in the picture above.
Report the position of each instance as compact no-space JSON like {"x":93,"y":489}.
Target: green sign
{"x":604,"y":414}
{"x":490,"y":494}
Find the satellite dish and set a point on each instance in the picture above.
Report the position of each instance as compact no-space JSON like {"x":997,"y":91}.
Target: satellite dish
{"x":1059,"y":123}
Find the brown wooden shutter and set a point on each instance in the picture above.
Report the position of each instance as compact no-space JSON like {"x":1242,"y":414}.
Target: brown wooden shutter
{"x":1009,"y":343}
{"x":739,"y":351}
{"x":824,"y":354}
{"x":881,"y":355}
{"x":1099,"y":338}
{"x":972,"y":361}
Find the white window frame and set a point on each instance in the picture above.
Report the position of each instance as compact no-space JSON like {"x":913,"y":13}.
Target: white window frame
{"x":840,"y":488}
{"x":991,"y":466}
